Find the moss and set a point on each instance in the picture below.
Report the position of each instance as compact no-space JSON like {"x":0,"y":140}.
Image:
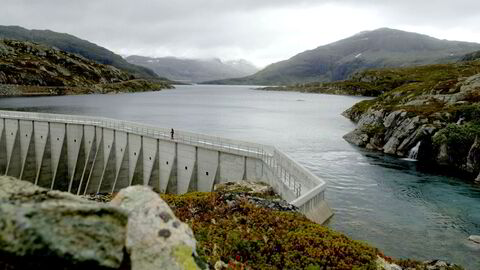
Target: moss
{"x":470,"y":113}
{"x":183,"y":255}
{"x":459,"y":139}
{"x":373,"y":129}
{"x":425,"y":110}
{"x":247,"y":236}
{"x":356,"y":111}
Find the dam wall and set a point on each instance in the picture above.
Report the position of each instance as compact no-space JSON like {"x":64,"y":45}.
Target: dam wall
{"x":84,"y":155}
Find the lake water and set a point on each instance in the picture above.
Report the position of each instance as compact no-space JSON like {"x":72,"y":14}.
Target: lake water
{"x":387,"y":202}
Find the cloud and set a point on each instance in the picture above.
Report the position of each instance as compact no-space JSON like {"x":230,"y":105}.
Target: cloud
{"x":261,"y":31}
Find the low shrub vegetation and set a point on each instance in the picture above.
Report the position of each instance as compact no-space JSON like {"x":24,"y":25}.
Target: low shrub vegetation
{"x":249,"y":237}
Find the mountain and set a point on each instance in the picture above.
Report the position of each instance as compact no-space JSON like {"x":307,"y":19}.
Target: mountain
{"x":366,"y":50}
{"x":194,"y":70}
{"x":28,"y":68}
{"x":72,"y":44}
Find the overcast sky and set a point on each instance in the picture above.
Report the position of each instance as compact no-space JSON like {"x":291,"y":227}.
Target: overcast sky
{"x":261,"y":31}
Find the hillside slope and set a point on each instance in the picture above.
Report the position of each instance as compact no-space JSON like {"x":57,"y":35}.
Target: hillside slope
{"x":194,"y":70}
{"x":72,"y":44}
{"x":28,"y":68}
{"x":430,"y":113}
{"x":366,"y":50}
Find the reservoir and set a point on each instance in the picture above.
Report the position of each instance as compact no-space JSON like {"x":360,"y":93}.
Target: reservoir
{"x":393,"y":204}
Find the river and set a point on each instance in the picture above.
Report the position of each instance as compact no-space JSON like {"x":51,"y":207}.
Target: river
{"x":390,"y":203}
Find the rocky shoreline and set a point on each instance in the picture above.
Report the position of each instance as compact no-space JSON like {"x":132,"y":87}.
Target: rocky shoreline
{"x":131,"y":86}
{"x":435,"y":122}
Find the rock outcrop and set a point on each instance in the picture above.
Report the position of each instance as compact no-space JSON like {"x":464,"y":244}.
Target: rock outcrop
{"x":436,"y":116}
{"x":55,"y":230}
{"x":156,"y":239}
{"x":258,"y":194}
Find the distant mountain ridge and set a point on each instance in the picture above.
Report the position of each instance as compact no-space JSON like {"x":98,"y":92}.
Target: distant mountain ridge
{"x":194,"y":70}
{"x":72,"y":44}
{"x":379,"y":48}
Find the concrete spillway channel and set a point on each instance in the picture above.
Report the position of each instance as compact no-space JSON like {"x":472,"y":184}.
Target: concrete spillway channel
{"x":82,"y":155}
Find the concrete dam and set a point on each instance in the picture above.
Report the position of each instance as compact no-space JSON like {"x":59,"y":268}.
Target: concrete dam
{"x":84,"y":155}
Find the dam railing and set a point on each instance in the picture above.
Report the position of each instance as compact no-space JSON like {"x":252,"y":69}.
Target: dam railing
{"x":305,"y":190}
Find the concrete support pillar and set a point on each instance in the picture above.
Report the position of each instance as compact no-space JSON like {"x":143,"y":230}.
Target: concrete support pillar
{"x":253,"y":170}
{"x":3,"y":148}
{"x":232,"y":167}
{"x":150,"y":163}
{"x":89,"y":152}
{"x":135,"y":160}
{"x":75,"y":156}
{"x":121,"y":161}
{"x":167,"y":156}
{"x":43,"y":150}
{"x":207,"y":167}
{"x":59,"y":156}
{"x":27,"y":151}
{"x":13,"y":148}
{"x":109,"y":162}
{"x":186,"y":162}
{"x":95,"y":174}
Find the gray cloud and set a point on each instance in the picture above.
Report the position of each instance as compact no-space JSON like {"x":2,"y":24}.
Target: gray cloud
{"x":261,"y":31}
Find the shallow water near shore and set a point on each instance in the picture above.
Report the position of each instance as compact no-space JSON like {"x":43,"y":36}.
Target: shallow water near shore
{"x":390,"y":203}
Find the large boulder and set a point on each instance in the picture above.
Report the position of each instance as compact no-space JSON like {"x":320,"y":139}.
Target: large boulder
{"x":357,"y":137}
{"x":43,"y":229}
{"x":156,"y":239}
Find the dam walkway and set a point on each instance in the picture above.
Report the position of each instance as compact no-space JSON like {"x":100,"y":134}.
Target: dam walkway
{"x":84,"y":155}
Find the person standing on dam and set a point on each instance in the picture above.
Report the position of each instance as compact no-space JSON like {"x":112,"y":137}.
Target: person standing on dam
{"x":172,"y":132}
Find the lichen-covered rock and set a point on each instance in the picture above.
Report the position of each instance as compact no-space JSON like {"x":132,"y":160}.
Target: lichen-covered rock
{"x":244,"y":186}
{"x":55,"y":230}
{"x":439,"y":265}
{"x":156,"y":239}
{"x":357,"y":137}
{"x":382,"y":264}
{"x":474,"y":238}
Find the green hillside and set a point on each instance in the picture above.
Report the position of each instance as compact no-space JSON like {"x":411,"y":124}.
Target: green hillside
{"x":72,"y":44}
{"x":28,"y":68}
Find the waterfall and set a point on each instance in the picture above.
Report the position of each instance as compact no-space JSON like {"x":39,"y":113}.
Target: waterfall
{"x":414,"y":151}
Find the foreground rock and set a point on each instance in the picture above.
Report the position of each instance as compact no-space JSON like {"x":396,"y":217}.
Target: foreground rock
{"x":156,"y":239}
{"x":45,"y":229}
